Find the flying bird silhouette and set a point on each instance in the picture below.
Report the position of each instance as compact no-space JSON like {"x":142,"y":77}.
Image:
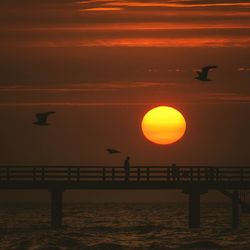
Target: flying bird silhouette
{"x":202,"y":75}
{"x":113,"y":151}
{"x":42,"y":118}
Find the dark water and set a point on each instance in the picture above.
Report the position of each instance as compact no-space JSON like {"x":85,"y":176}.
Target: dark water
{"x":120,"y":226}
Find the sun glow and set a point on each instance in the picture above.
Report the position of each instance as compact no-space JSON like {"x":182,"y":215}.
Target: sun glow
{"x":163,"y":125}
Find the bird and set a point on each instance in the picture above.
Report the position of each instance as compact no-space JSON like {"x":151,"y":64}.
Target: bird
{"x":202,"y":75}
{"x":112,"y":151}
{"x":42,"y":118}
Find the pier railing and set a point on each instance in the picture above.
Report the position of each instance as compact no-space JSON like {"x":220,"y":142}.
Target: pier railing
{"x":113,"y":174}
{"x":192,"y":180}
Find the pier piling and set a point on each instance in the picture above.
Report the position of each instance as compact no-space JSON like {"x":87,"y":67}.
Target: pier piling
{"x":194,"y":209}
{"x":235,"y":210}
{"x":56,"y":207}
{"x":194,"y":206}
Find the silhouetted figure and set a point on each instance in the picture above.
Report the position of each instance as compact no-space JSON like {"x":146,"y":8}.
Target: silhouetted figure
{"x":127,"y":168}
{"x":202,"y":75}
{"x":113,"y":151}
{"x":42,"y":118}
{"x":175,"y":172}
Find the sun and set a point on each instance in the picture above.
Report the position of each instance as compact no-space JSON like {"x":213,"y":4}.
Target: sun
{"x":163,"y":125}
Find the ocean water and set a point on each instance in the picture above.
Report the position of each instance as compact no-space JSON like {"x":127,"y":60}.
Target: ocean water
{"x":120,"y":226}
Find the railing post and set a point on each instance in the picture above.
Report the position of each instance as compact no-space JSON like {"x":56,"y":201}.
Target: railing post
{"x":241,"y":174}
{"x":138,"y":174}
{"x":168,"y":174}
{"x":8,"y":173}
{"x":42,"y":173}
{"x":178,"y":173}
{"x":104,"y":174}
{"x":113,"y":174}
{"x":206,"y":173}
{"x":147,"y":173}
{"x":191,"y":174}
{"x":69,"y":174}
{"x":78,"y":173}
{"x":199,"y":174}
{"x":34,"y":173}
{"x":211,"y":173}
{"x":217,"y":174}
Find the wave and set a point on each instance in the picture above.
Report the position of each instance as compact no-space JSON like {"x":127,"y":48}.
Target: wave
{"x":201,"y":245}
{"x":106,"y":246}
{"x":135,"y":229}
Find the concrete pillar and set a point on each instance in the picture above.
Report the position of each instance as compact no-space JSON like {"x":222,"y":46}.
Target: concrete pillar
{"x":194,"y":209}
{"x":235,"y":210}
{"x":56,"y":207}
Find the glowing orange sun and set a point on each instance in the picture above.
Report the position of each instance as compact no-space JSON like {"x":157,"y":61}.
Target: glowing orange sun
{"x":163,"y":125}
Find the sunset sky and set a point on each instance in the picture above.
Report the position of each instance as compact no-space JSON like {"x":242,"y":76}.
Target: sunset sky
{"x":102,"y":64}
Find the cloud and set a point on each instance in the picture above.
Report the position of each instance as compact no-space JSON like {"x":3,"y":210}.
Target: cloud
{"x":68,"y":104}
{"x":84,"y":87}
{"x":204,"y":100}
{"x":227,"y":97}
{"x":143,"y":42}
{"x":103,"y":9}
{"x":243,"y":69}
{"x":136,"y":99}
{"x":173,"y":4}
{"x":114,"y":23}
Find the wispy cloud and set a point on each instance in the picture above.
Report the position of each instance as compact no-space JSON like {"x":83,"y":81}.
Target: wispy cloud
{"x":69,"y":104}
{"x":243,"y":69}
{"x":163,"y":96}
{"x":103,"y":9}
{"x":219,"y":99}
{"x":214,"y":42}
{"x":174,"y":4}
{"x":227,"y":97}
{"x":128,"y":23}
{"x":85,"y":87}
{"x":128,"y":26}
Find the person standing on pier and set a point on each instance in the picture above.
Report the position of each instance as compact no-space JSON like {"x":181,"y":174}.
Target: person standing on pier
{"x":127,"y":168}
{"x":175,"y":172}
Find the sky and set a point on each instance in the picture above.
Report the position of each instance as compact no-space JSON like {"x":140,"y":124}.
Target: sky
{"x":102,"y":64}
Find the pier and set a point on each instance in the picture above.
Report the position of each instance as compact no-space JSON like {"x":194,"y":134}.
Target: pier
{"x":192,"y":180}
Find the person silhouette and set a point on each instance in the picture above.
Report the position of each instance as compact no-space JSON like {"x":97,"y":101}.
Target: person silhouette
{"x":175,"y":172}
{"x":127,"y":168}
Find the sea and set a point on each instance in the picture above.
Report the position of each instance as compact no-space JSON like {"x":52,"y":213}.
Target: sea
{"x":121,"y":226}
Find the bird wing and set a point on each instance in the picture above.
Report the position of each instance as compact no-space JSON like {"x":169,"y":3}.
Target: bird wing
{"x":205,"y":70}
{"x":113,"y":151}
{"x":42,"y":117}
{"x":49,"y":112}
{"x":198,"y":73}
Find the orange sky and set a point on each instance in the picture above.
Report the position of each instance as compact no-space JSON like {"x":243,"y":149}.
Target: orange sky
{"x":102,"y":64}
